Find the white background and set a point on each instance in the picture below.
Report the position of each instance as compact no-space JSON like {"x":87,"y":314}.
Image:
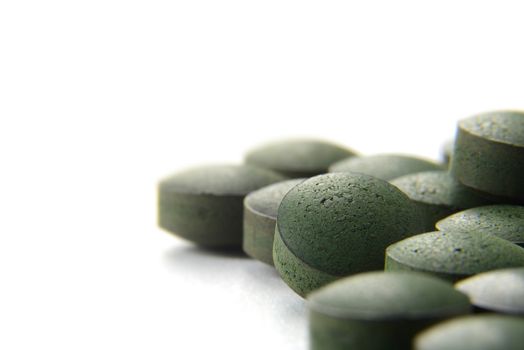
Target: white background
{"x":100,"y":99}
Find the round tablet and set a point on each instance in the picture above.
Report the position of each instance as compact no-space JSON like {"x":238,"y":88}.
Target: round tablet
{"x":334,"y":225}
{"x":298,"y":157}
{"x":380,"y":310}
{"x":499,"y":291}
{"x":453,"y":255}
{"x":489,"y":153}
{"x":204,"y":205}
{"x":479,"y":332}
{"x":438,"y":194}
{"x":385,"y":166}
{"x":504,"y":221}
{"x":260,"y":217}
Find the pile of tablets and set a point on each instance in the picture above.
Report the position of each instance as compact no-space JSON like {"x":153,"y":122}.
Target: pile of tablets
{"x":375,"y":242}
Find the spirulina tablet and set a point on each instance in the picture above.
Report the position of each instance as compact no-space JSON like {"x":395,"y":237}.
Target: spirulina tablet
{"x":260,"y":217}
{"x":385,"y":166}
{"x":438,"y":194}
{"x":298,"y":157}
{"x":205,"y":204}
{"x":453,"y":255}
{"x":479,"y":332}
{"x":489,"y":153}
{"x":334,"y":225}
{"x":499,"y":291}
{"x":504,"y":221}
{"x":380,"y":310}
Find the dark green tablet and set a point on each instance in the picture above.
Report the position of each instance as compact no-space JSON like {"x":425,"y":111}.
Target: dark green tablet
{"x":385,"y":166}
{"x":205,"y":204}
{"x":489,"y":153}
{"x":380,"y":310}
{"x":453,"y":255}
{"x":504,"y":221}
{"x":298,"y":157}
{"x":479,"y":332}
{"x":438,"y":194}
{"x":497,"y":291}
{"x":339,"y":224}
{"x":260,"y":217}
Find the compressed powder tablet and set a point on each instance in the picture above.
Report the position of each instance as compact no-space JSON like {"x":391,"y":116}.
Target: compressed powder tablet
{"x":479,"y":332}
{"x":498,"y":291}
{"x":438,"y":194}
{"x":260,"y":217}
{"x":504,"y":221}
{"x":334,"y":225}
{"x":380,"y":310}
{"x":489,"y":153}
{"x":453,"y":255}
{"x":205,"y":204}
{"x":385,"y":166}
{"x":298,"y":157}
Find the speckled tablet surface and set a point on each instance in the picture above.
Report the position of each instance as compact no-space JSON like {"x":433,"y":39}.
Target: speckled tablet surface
{"x":385,"y":166}
{"x":339,"y":224}
{"x":453,"y":255}
{"x":479,"y":332}
{"x":438,"y":194}
{"x":489,"y":153}
{"x":504,"y":221}
{"x":204,"y":204}
{"x":380,"y":310}
{"x":298,"y":157}
{"x":498,"y":291}
{"x":260,"y":217}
